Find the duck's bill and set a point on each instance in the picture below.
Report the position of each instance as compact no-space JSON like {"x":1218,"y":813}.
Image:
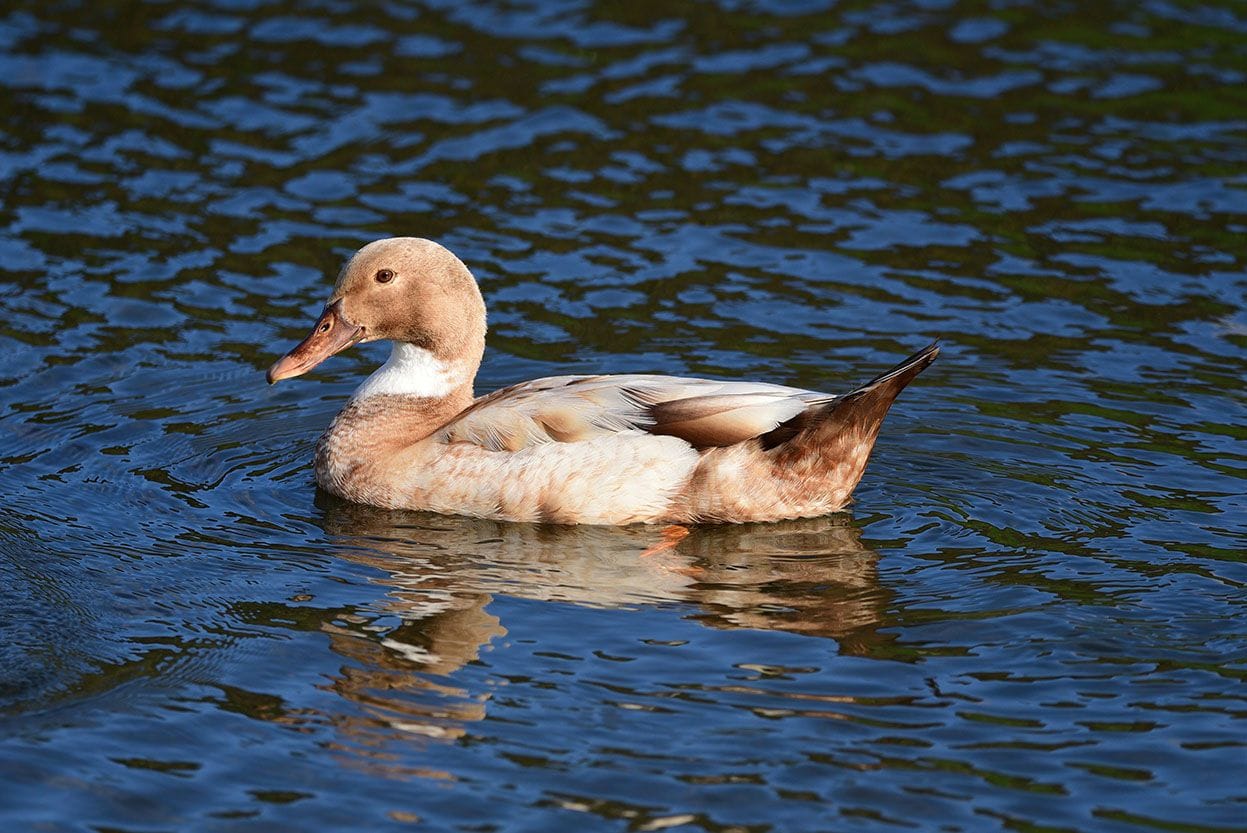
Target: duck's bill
{"x":332,"y":334}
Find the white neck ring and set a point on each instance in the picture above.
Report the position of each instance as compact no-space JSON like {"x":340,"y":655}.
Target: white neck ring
{"x":412,"y":371}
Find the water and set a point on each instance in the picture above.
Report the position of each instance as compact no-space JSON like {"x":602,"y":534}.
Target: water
{"x":1033,"y":618}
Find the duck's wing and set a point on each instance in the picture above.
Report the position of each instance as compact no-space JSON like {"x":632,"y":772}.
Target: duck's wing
{"x":703,"y":412}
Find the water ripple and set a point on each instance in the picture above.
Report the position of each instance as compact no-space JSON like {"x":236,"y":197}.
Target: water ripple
{"x":1033,"y":618}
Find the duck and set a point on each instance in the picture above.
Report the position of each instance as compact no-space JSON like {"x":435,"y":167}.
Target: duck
{"x":584,"y":449}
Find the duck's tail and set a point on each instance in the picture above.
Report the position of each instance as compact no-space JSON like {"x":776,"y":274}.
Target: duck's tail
{"x":888,"y":385}
{"x":831,"y":444}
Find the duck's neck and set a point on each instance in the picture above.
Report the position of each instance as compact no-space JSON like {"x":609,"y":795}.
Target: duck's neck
{"x":416,"y":373}
{"x":408,"y":398}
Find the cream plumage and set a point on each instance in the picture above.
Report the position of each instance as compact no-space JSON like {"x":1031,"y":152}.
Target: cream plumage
{"x":567,"y":449}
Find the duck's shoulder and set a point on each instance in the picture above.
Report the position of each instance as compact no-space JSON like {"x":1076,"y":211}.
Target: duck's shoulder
{"x":702,"y":412}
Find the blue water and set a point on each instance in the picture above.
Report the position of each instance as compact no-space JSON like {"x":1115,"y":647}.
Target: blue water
{"x":1033,"y":618}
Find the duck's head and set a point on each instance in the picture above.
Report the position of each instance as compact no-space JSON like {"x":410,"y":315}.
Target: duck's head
{"x":403,"y":289}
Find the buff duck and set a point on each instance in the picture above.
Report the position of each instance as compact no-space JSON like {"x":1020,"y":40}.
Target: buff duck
{"x":566,"y":449}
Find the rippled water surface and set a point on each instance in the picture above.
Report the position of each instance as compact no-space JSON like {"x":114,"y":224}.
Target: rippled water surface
{"x":1034,"y":617}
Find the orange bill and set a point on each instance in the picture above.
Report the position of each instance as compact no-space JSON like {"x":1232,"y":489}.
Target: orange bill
{"x":332,"y":334}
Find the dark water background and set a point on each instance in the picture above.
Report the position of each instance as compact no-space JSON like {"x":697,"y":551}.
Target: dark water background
{"x":1033,"y":619}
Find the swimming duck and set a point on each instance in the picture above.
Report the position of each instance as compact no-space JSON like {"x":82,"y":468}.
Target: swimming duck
{"x":566,"y":449}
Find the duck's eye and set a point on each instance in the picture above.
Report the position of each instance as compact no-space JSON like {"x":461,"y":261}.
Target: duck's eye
{"x":384,"y":276}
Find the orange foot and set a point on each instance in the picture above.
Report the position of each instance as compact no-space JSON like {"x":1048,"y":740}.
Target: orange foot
{"x":671,"y":535}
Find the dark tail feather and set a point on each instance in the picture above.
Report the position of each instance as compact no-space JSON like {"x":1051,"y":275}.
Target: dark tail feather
{"x":838,"y":437}
{"x":898,"y":377}
{"x":865,"y":405}
{"x":856,"y":416}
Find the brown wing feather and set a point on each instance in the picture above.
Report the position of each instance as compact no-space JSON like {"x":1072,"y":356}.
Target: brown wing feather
{"x":723,"y":419}
{"x":703,"y":412}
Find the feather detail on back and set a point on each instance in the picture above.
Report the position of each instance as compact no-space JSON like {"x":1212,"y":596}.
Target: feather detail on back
{"x":704,"y":413}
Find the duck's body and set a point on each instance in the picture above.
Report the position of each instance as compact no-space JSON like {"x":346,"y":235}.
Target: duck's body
{"x":569,"y":449}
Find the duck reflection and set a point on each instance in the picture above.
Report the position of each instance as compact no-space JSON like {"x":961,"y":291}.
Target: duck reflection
{"x":813,"y":577}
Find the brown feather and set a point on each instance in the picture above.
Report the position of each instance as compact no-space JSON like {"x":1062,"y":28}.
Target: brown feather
{"x":723,"y":419}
